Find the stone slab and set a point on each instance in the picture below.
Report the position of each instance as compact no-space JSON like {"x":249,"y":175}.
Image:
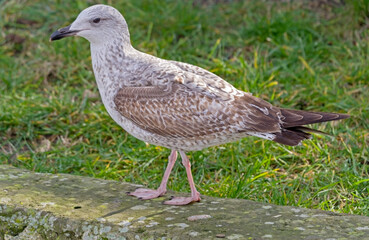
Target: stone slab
{"x":60,"y":206}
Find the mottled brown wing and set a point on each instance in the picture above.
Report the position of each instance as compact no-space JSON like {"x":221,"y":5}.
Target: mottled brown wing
{"x":172,"y":112}
{"x":177,"y":111}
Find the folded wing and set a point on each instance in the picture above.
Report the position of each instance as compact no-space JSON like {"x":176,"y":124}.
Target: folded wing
{"x":179,"y":112}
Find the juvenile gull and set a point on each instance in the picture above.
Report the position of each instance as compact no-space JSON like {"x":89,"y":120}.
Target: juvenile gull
{"x":177,"y":105}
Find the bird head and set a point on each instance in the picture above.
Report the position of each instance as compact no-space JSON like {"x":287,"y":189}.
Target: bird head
{"x":98,"y":24}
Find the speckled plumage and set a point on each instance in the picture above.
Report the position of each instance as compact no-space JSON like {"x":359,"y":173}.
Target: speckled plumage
{"x":173,"y":104}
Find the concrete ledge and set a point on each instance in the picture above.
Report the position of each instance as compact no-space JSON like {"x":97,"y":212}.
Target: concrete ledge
{"x":49,"y":206}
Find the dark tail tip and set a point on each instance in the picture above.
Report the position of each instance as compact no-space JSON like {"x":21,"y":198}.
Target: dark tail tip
{"x":343,"y":116}
{"x":291,"y":137}
{"x":295,"y":118}
{"x":293,"y":131}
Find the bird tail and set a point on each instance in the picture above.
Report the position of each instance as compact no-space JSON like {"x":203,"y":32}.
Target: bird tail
{"x":293,"y":131}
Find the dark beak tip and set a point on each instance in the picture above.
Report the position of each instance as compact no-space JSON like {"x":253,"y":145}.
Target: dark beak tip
{"x":55,"y":36}
{"x":61,"y":33}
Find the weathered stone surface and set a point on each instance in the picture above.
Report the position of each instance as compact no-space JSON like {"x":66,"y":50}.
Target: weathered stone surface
{"x":48,"y":206}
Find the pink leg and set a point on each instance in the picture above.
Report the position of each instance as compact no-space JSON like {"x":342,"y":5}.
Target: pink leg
{"x":195,"y":195}
{"x":144,"y":193}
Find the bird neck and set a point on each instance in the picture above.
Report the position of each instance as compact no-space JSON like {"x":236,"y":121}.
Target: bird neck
{"x":109,"y":57}
{"x":109,"y":61}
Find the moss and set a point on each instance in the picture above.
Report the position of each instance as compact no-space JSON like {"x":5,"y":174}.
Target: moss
{"x":10,"y":221}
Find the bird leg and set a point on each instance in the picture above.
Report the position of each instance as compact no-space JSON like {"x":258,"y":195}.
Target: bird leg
{"x":195,"y":195}
{"x":144,"y":193}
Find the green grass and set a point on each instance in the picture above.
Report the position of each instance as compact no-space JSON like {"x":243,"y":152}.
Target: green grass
{"x":303,"y":56}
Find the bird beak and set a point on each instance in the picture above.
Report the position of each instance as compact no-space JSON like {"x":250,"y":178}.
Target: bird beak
{"x":62,"y":33}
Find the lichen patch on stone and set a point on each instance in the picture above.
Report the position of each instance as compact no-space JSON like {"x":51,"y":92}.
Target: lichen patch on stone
{"x":267,"y":207}
{"x":295,"y":210}
{"x":198,"y":217}
{"x":362,"y":228}
{"x":267,"y":236}
{"x":139,"y":207}
{"x":193,"y":234}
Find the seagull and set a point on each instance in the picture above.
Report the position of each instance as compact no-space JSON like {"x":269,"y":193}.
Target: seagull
{"x":174,"y":104}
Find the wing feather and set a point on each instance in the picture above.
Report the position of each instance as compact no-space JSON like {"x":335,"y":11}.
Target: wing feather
{"x":178,"y":112}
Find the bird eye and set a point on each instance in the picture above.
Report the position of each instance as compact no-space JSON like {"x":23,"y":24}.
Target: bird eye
{"x":96,"y":20}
